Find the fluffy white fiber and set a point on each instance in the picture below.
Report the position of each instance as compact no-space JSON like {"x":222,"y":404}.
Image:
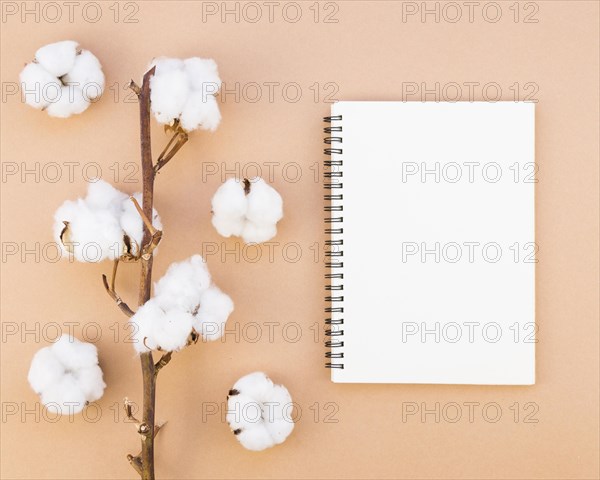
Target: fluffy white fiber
{"x":252,"y":216}
{"x":259,"y":412}
{"x":185,"y":300}
{"x":66,"y":375}
{"x":63,"y":79}
{"x":96,"y":227}
{"x":185,"y":90}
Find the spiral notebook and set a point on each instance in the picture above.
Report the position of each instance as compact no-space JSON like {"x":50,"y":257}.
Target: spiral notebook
{"x":431,"y":246}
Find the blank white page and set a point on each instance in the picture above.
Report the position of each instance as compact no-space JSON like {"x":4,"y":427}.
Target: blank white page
{"x":438,"y":243}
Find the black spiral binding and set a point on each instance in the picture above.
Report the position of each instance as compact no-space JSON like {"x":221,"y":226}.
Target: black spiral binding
{"x":334,"y":222}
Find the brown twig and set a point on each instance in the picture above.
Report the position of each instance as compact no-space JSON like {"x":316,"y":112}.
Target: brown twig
{"x":156,"y":235}
{"x":144,"y":462}
{"x":128,"y":407}
{"x":134,"y":86}
{"x":136,"y":463}
{"x":147,"y":363}
{"x":173,"y":138}
{"x":158,"y":428}
{"x":182,"y":138}
{"x":120,"y":303}
{"x":114,"y":274}
{"x":164,"y":360}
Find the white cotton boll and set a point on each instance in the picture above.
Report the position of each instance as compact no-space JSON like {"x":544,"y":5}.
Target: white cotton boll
{"x":45,"y":370}
{"x":90,"y":381}
{"x":243,"y":412}
{"x":94,"y":235}
{"x":38,"y":86}
{"x":156,"y":328}
{"x":57,"y":58}
{"x":256,"y":385}
{"x":278,"y":404}
{"x":168,"y":93}
{"x":74,"y":354}
{"x":86,"y":74}
{"x":230,"y":200}
{"x":228,"y":226}
{"x":166,"y":64}
{"x":66,"y":375}
{"x":229,"y":207}
{"x":203,"y":74}
{"x":255,"y":439}
{"x":201,"y":110}
{"x":64,"y":397}
{"x":253,"y":216}
{"x":102,"y":194}
{"x":279,"y":429}
{"x":144,"y":323}
{"x":215,"y":308}
{"x":94,"y":231}
{"x":274,"y":422}
{"x":253,"y":233}
{"x":265,"y":205}
{"x":172,"y":331}
{"x":70,"y":102}
{"x":183,"y":284}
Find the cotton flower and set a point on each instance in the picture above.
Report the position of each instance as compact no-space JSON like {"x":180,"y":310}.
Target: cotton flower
{"x":66,"y":375}
{"x":103,"y":225}
{"x":185,"y":301}
{"x":248,"y":208}
{"x":184,"y":91}
{"x":63,"y":79}
{"x":259,"y":412}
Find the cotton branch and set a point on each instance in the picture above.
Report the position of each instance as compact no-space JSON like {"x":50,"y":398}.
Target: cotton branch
{"x":144,"y":462}
{"x":134,"y":86}
{"x":166,"y":155}
{"x":164,"y":360}
{"x":110,"y":289}
{"x":136,"y":463}
{"x":156,"y":235}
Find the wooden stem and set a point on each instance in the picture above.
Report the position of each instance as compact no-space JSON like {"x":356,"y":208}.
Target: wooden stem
{"x":147,"y":362}
{"x":147,"y":428}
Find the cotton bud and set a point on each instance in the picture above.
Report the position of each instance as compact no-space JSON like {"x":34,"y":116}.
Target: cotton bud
{"x":184,"y":91}
{"x":63,"y":79}
{"x":248,"y":208}
{"x":103,"y":225}
{"x":185,"y":301}
{"x":258,"y":412}
{"x":66,"y":375}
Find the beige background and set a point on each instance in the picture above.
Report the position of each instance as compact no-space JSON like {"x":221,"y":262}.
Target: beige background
{"x":368,"y":54}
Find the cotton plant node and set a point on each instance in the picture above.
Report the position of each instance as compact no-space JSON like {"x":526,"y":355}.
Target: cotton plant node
{"x":181,"y":95}
{"x":248,"y":208}
{"x":63,"y":79}
{"x":259,"y":412}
